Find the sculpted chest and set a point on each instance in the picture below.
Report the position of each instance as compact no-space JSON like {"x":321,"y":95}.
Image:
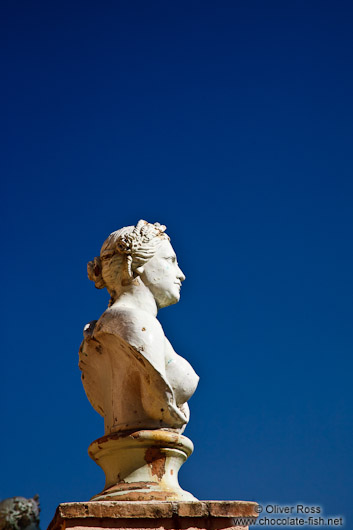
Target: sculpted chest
{"x":134,"y":379}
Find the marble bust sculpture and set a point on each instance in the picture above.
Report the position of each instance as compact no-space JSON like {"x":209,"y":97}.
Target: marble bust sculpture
{"x":131,"y":374}
{"x":133,"y":377}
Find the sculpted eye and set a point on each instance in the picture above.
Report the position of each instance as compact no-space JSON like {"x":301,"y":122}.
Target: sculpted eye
{"x":171,"y":258}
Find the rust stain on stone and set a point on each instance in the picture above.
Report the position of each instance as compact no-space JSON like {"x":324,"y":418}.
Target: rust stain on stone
{"x":144,"y":496}
{"x":156,"y":460}
{"x":127,"y":486}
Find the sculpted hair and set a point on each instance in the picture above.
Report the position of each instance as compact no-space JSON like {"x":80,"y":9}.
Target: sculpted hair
{"x":122,"y":253}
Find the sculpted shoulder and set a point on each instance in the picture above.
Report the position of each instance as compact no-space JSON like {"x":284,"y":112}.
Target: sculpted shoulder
{"x":129,"y":323}
{"x":138,"y":328}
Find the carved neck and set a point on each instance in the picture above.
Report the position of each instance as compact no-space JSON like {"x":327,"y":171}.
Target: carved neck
{"x":136,"y":296}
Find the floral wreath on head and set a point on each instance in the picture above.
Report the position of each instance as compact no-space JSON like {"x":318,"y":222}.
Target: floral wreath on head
{"x":132,"y":244}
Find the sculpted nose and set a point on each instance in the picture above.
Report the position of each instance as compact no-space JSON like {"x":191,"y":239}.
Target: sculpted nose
{"x":181,"y":275}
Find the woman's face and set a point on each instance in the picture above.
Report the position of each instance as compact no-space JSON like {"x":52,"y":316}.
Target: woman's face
{"x":162,"y":275}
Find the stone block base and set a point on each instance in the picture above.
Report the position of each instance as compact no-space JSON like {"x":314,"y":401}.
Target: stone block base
{"x":152,"y":515}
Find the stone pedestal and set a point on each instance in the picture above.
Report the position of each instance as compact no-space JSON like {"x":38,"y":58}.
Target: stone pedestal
{"x":142,"y":466}
{"x":138,"y":515}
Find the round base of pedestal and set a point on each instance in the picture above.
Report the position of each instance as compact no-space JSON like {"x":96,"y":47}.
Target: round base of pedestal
{"x":142,"y":466}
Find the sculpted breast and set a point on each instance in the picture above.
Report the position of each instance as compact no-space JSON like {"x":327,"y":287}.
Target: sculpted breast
{"x":180,"y":375}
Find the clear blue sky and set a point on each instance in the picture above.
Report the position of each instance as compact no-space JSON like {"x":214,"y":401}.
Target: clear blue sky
{"x":231,"y":123}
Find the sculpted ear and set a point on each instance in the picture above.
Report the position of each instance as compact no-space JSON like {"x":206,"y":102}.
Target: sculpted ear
{"x":139,"y":270}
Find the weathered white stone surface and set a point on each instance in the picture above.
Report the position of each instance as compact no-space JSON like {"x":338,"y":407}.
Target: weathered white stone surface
{"x":143,"y":465}
{"x":131,"y":374}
